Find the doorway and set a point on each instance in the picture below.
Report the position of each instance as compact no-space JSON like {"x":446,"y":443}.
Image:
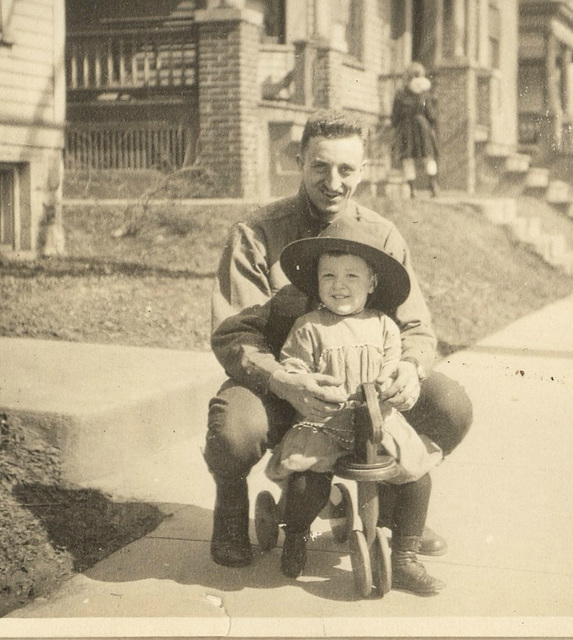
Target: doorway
{"x":7,"y":209}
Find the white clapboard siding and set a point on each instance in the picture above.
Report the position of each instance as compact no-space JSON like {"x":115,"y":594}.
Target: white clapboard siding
{"x":27,"y":67}
{"x":37,"y":10}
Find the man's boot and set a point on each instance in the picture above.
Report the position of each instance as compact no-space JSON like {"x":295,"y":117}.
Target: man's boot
{"x":432,"y":544}
{"x":409,"y":574}
{"x":230,"y":544}
{"x":412,"y":189}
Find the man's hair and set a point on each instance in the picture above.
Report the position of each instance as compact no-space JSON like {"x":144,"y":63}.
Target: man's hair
{"x":332,"y":123}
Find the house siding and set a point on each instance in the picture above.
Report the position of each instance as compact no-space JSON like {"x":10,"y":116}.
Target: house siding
{"x":32,"y":112}
{"x":26,"y":68}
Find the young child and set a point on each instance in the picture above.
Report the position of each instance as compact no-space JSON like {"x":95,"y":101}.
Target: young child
{"x":349,"y":336}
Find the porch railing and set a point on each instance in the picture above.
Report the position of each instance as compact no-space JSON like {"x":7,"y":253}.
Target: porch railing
{"x":143,"y":145}
{"x":131,"y":59}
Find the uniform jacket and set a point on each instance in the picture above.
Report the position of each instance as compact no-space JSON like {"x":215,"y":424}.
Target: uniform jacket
{"x":254,"y":306}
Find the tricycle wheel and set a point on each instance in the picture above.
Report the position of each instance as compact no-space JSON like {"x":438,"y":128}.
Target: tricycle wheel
{"x":266,"y":521}
{"x":381,"y":564}
{"x":361,"y":566}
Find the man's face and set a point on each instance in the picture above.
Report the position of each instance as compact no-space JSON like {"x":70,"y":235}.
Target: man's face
{"x":331,"y":171}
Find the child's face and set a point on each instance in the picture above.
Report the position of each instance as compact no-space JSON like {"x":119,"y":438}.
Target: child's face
{"x":344,"y":283}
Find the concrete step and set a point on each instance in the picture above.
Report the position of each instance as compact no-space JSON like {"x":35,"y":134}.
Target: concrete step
{"x":497,"y":150}
{"x":517,"y":163}
{"x":106,"y":407}
{"x":537,"y":178}
{"x":498,"y":210}
{"x":550,"y":245}
{"x":395,"y":185}
{"x":559,"y":193}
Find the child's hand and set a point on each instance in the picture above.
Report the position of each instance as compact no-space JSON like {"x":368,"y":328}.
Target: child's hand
{"x":382,"y":384}
{"x":404,"y":389}
{"x":341,"y":395}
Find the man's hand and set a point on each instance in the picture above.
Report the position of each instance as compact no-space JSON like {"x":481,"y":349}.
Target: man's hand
{"x":314,"y":395}
{"x":399,"y":385}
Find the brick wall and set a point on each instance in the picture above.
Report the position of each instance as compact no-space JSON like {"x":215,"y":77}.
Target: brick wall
{"x":327,"y":71}
{"x":453,"y":130}
{"x":228,"y":99}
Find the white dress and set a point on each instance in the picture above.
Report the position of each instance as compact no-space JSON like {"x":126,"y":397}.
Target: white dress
{"x":353,"y":348}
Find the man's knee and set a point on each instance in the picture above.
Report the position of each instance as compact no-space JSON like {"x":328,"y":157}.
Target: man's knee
{"x":452,"y":406}
{"x":237,"y":431}
{"x":443,"y":413}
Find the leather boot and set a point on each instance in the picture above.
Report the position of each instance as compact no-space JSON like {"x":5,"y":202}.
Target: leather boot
{"x":293,"y":557}
{"x":412,"y":190}
{"x":230,"y":544}
{"x":432,"y":544}
{"x":409,"y":574}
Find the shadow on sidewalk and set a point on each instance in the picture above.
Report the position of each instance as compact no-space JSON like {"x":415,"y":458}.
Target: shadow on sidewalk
{"x":179,"y":551}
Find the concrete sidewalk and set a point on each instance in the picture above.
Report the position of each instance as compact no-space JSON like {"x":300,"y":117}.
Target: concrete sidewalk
{"x":503,"y":500}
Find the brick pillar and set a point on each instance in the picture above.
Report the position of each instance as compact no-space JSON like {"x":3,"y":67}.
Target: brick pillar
{"x":228,"y":46}
{"x":327,"y":75}
{"x":455,"y":91}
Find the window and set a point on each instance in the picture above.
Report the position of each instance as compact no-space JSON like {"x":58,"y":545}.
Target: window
{"x":348,"y":26}
{"x":274,"y":22}
{"x":6,"y":11}
{"x":454,"y":28}
{"x":494,"y":31}
{"x":397,"y":19}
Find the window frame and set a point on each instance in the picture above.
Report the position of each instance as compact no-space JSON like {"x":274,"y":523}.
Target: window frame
{"x":6,"y":31}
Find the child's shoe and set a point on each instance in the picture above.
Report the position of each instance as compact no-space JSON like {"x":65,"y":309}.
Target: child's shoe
{"x":293,"y":558}
{"x":407,"y":572}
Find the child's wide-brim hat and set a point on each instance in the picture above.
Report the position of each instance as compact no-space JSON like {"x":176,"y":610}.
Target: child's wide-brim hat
{"x":299,"y":261}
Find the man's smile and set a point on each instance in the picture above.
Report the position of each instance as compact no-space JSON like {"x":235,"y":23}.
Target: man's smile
{"x":332,"y":194}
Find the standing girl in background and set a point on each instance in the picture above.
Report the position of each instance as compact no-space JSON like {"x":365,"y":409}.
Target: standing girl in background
{"x":414,"y":121}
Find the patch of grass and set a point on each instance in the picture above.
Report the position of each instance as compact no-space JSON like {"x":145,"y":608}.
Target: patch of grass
{"x":188,"y":182}
{"x":152,"y":287}
{"x":50,"y":529}
{"x":172,"y":237}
